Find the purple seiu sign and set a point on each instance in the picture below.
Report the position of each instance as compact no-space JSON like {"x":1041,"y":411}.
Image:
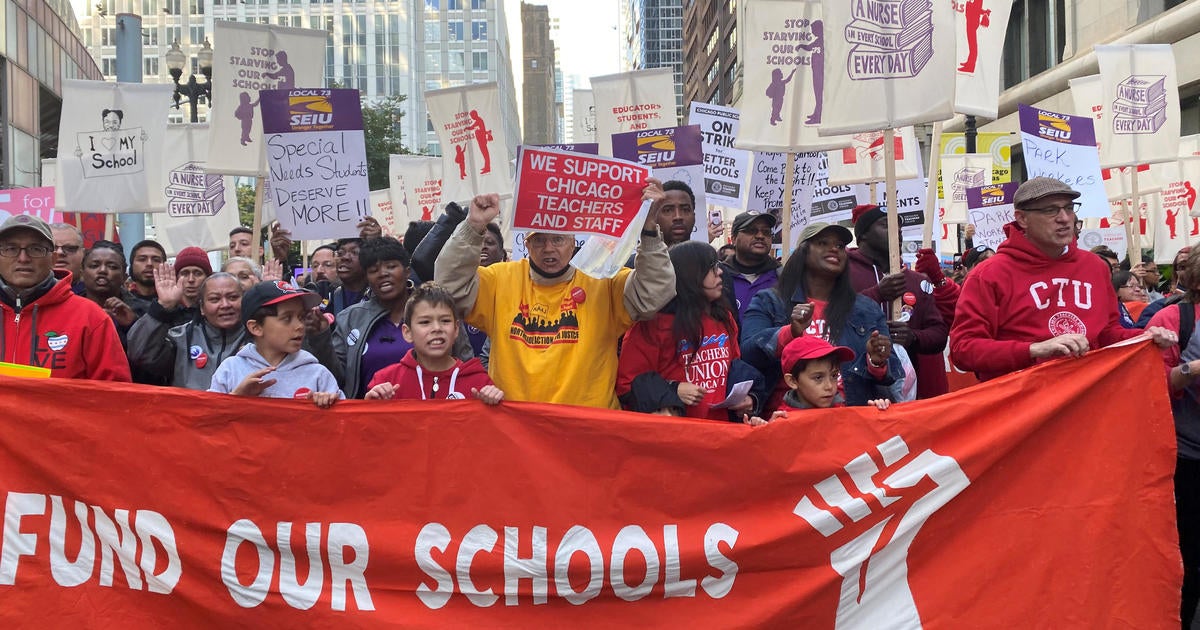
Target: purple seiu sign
{"x":660,"y":148}
{"x":287,"y":111}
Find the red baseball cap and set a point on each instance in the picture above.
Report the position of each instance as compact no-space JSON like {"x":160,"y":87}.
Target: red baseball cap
{"x":812,"y":347}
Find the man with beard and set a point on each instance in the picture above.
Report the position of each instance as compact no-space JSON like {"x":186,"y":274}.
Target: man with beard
{"x":146,"y":256}
{"x":677,"y":216}
{"x":752,"y":269}
{"x":68,"y":253}
{"x":104,"y":284}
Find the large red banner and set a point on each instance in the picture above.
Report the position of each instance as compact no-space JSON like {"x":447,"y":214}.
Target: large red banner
{"x":1039,"y":499}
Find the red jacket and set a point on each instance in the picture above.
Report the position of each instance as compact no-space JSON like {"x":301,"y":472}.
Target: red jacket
{"x":410,"y":384}
{"x":62,"y":331}
{"x":925,"y":321}
{"x":650,"y":347}
{"x":1019,"y":297}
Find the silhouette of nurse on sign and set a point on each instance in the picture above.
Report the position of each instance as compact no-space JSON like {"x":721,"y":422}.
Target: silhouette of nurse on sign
{"x":816,"y":64}
{"x":483,"y":136}
{"x":776,"y":91}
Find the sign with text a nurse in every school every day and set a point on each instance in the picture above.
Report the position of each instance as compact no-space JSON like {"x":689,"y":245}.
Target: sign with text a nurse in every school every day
{"x":317,"y":158}
{"x":573,"y":193}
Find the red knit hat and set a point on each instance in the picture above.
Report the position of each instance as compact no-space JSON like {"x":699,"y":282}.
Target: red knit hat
{"x":858,"y":211}
{"x":193,"y":257}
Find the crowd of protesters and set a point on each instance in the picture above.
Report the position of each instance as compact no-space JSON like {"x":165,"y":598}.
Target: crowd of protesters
{"x":685,"y":329}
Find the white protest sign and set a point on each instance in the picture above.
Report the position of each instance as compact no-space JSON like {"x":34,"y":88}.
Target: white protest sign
{"x":830,"y":203}
{"x":110,"y":140}
{"x":415,"y":186}
{"x":631,"y":101}
{"x":248,"y":58}
{"x":1110,"y":237}
{"x":1064,"y":147}
{"x":989,"y":209}
{"x":1141,"y":91}
{"x":979,"y":33}
{"x":583,"y":107}
{"x":725,"y":168}
{"x":191,"y":206}
{"x":317,"y":160}
{"x":862,"y":161}
{"x":910,"y":204}
{"x":766,"y":188}
{"x":474,"y":148}
{"x":963,"y":171}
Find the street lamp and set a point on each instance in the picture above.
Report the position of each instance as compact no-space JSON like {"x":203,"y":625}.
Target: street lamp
{"x":193,"y":90}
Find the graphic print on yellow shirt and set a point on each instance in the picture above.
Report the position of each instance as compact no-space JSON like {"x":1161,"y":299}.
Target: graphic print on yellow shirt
{"x":537,"y":326}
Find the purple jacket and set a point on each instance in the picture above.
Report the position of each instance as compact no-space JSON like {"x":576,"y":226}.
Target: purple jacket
{"x":739,"y":290}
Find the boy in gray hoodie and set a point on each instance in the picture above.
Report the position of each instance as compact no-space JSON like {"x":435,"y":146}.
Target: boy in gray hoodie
{"x":274,"y":365}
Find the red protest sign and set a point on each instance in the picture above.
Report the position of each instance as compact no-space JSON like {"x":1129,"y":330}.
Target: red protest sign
{"x":574,"y":193}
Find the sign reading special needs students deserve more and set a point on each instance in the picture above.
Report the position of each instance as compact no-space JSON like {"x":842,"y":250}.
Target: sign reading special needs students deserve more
{"x":673,"y":154}
{"x":725,"y":167}
{"x":317,"y":159}
{"x":989,"y":209}
{"x":1064,"y":147}
{"x":572,"y":193}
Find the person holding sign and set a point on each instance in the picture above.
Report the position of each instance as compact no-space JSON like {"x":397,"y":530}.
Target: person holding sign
{"x":1040,"y":296}
{"x":554,"y":330}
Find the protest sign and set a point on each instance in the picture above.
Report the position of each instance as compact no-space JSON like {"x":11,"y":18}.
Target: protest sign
{"x":963,"y":171}
{"x":910,"y":210}
{"x":979,"y":32}
{"x":272,"y":513}
{"x":1172,"y":227}
{"x":830,"y":203}
{"x":468,"y":124}
{"x":862,"y":161}
{"x":248,"y":58}
{"x":382,"y":209}
{"x":632,"y":101}
{"x":317,"y":157}
{"x":583,"y":108}
{"x":767,"y":182}
{"x":38,"y":202}
{"x":1110,"y":237}
{"x":889,"y":64}
{"x":989,"y":209}
{"x":1088,"y":95}
{"x":1118,"y":180}
{"x":588,"y":148}
{"x":110,"y":138}
{"x":574,"y":193}
{"x":673,"y":154}
{"x":999,"y":145}
{"x":1141,"y":91}
{"x":192,"y":207}
{"x":725,"y":167}
{"x":415,"y":186}
{"x":784,"y":95}
{"x":1064,"y":147}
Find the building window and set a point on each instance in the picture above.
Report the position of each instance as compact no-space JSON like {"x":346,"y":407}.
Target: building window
{"x":479,"y":61}
{"x":433,"y":61}
{"x":433,"y":32}
{"x":432,"y":5}
{"x":1035,"y":39}
{"x":456,"y":30}
{"x":479,"y":30}
{"x":457,"y":61}
{"x":478,"y":4}
{"x":150,"y":66}
{"x":454,"y":5}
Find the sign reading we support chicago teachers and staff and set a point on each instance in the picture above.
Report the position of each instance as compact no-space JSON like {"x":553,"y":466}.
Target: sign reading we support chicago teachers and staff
{"x":317,"y":158}
{"x":571,"y":193}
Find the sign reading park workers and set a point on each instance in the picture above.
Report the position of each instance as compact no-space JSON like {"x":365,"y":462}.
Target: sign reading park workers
{"x":317,"y":158}
{"x":572,"y":193}
{"x":420,"y":514}
{"x":989,"y":209}
{"x":1064,"y":147}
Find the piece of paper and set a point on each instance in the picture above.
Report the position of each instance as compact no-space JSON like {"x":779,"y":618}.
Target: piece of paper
{"x":737,"y":394}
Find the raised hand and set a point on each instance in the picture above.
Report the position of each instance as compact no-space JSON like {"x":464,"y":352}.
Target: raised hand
{"x":167,"y":287}
{"x":653,"y":192}
{"x":254,"y":384}
{"x":281,"y":244}
{"x":315,"y":322}
{"x":484,"y":208}
{"x":802,"y":315}
{"x":369,"y":228}
{"x":272,"y":270}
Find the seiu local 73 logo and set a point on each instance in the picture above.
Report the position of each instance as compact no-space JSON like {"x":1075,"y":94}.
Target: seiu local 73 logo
{"x":880,"y":524}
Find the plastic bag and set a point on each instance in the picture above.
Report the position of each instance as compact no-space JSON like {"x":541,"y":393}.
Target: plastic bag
{"x":604,"y":256}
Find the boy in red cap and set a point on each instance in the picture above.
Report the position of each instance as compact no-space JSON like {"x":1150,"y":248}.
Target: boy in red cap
{"x":811,"y":369}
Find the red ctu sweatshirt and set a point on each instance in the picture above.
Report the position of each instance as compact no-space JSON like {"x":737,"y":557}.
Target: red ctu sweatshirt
{"x":1020,"y":296}
{"x":410,"y":385}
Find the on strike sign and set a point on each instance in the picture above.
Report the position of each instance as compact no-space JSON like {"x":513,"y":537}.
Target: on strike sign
{"x":575,"y":193}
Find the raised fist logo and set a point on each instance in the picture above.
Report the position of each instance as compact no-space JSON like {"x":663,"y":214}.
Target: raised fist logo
{"x":879,"y":520}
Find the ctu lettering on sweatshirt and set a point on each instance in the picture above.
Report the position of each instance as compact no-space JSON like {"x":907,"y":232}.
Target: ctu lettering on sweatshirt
{"x":1045,"y":295}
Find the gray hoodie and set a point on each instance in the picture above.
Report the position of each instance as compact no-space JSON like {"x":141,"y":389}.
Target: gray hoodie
{"x":298,"y":371}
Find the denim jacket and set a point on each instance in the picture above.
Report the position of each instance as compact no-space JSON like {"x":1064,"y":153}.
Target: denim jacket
{"x":760,"y":334}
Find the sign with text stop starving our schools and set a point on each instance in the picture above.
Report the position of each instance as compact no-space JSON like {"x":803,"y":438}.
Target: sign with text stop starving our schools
{"x":1064,"y":147}
{"x":317,"y":159}
{"x":572,"y":193}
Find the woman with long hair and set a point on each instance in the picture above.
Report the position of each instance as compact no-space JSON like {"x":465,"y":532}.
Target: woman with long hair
{"x":679,"y":363}
{"x":814,"y":297}
{"x":1131,"y":297}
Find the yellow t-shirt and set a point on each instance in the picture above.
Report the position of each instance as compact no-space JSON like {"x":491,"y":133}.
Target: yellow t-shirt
{"x":555,"y":343}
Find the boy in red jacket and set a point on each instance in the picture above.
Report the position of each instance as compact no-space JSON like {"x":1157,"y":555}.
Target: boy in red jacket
{"x":430,"y":371}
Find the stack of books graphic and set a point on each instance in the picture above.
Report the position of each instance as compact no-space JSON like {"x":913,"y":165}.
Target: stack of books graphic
{"x":1141,"y":104}
{"x":890,"y":38}
{"x":194,"y":192}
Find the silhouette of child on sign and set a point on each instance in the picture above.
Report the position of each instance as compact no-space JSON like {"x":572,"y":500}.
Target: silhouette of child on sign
{"x":245,"y":113}
{"x":460,"y":158}
{"x":776,"y":91}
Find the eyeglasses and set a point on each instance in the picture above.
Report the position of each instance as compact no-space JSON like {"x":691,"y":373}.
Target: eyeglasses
{"x":34,"y":251}
{"x":68,"y":249}
{"x":1053,"y":211}
{"x":541,"y":240}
